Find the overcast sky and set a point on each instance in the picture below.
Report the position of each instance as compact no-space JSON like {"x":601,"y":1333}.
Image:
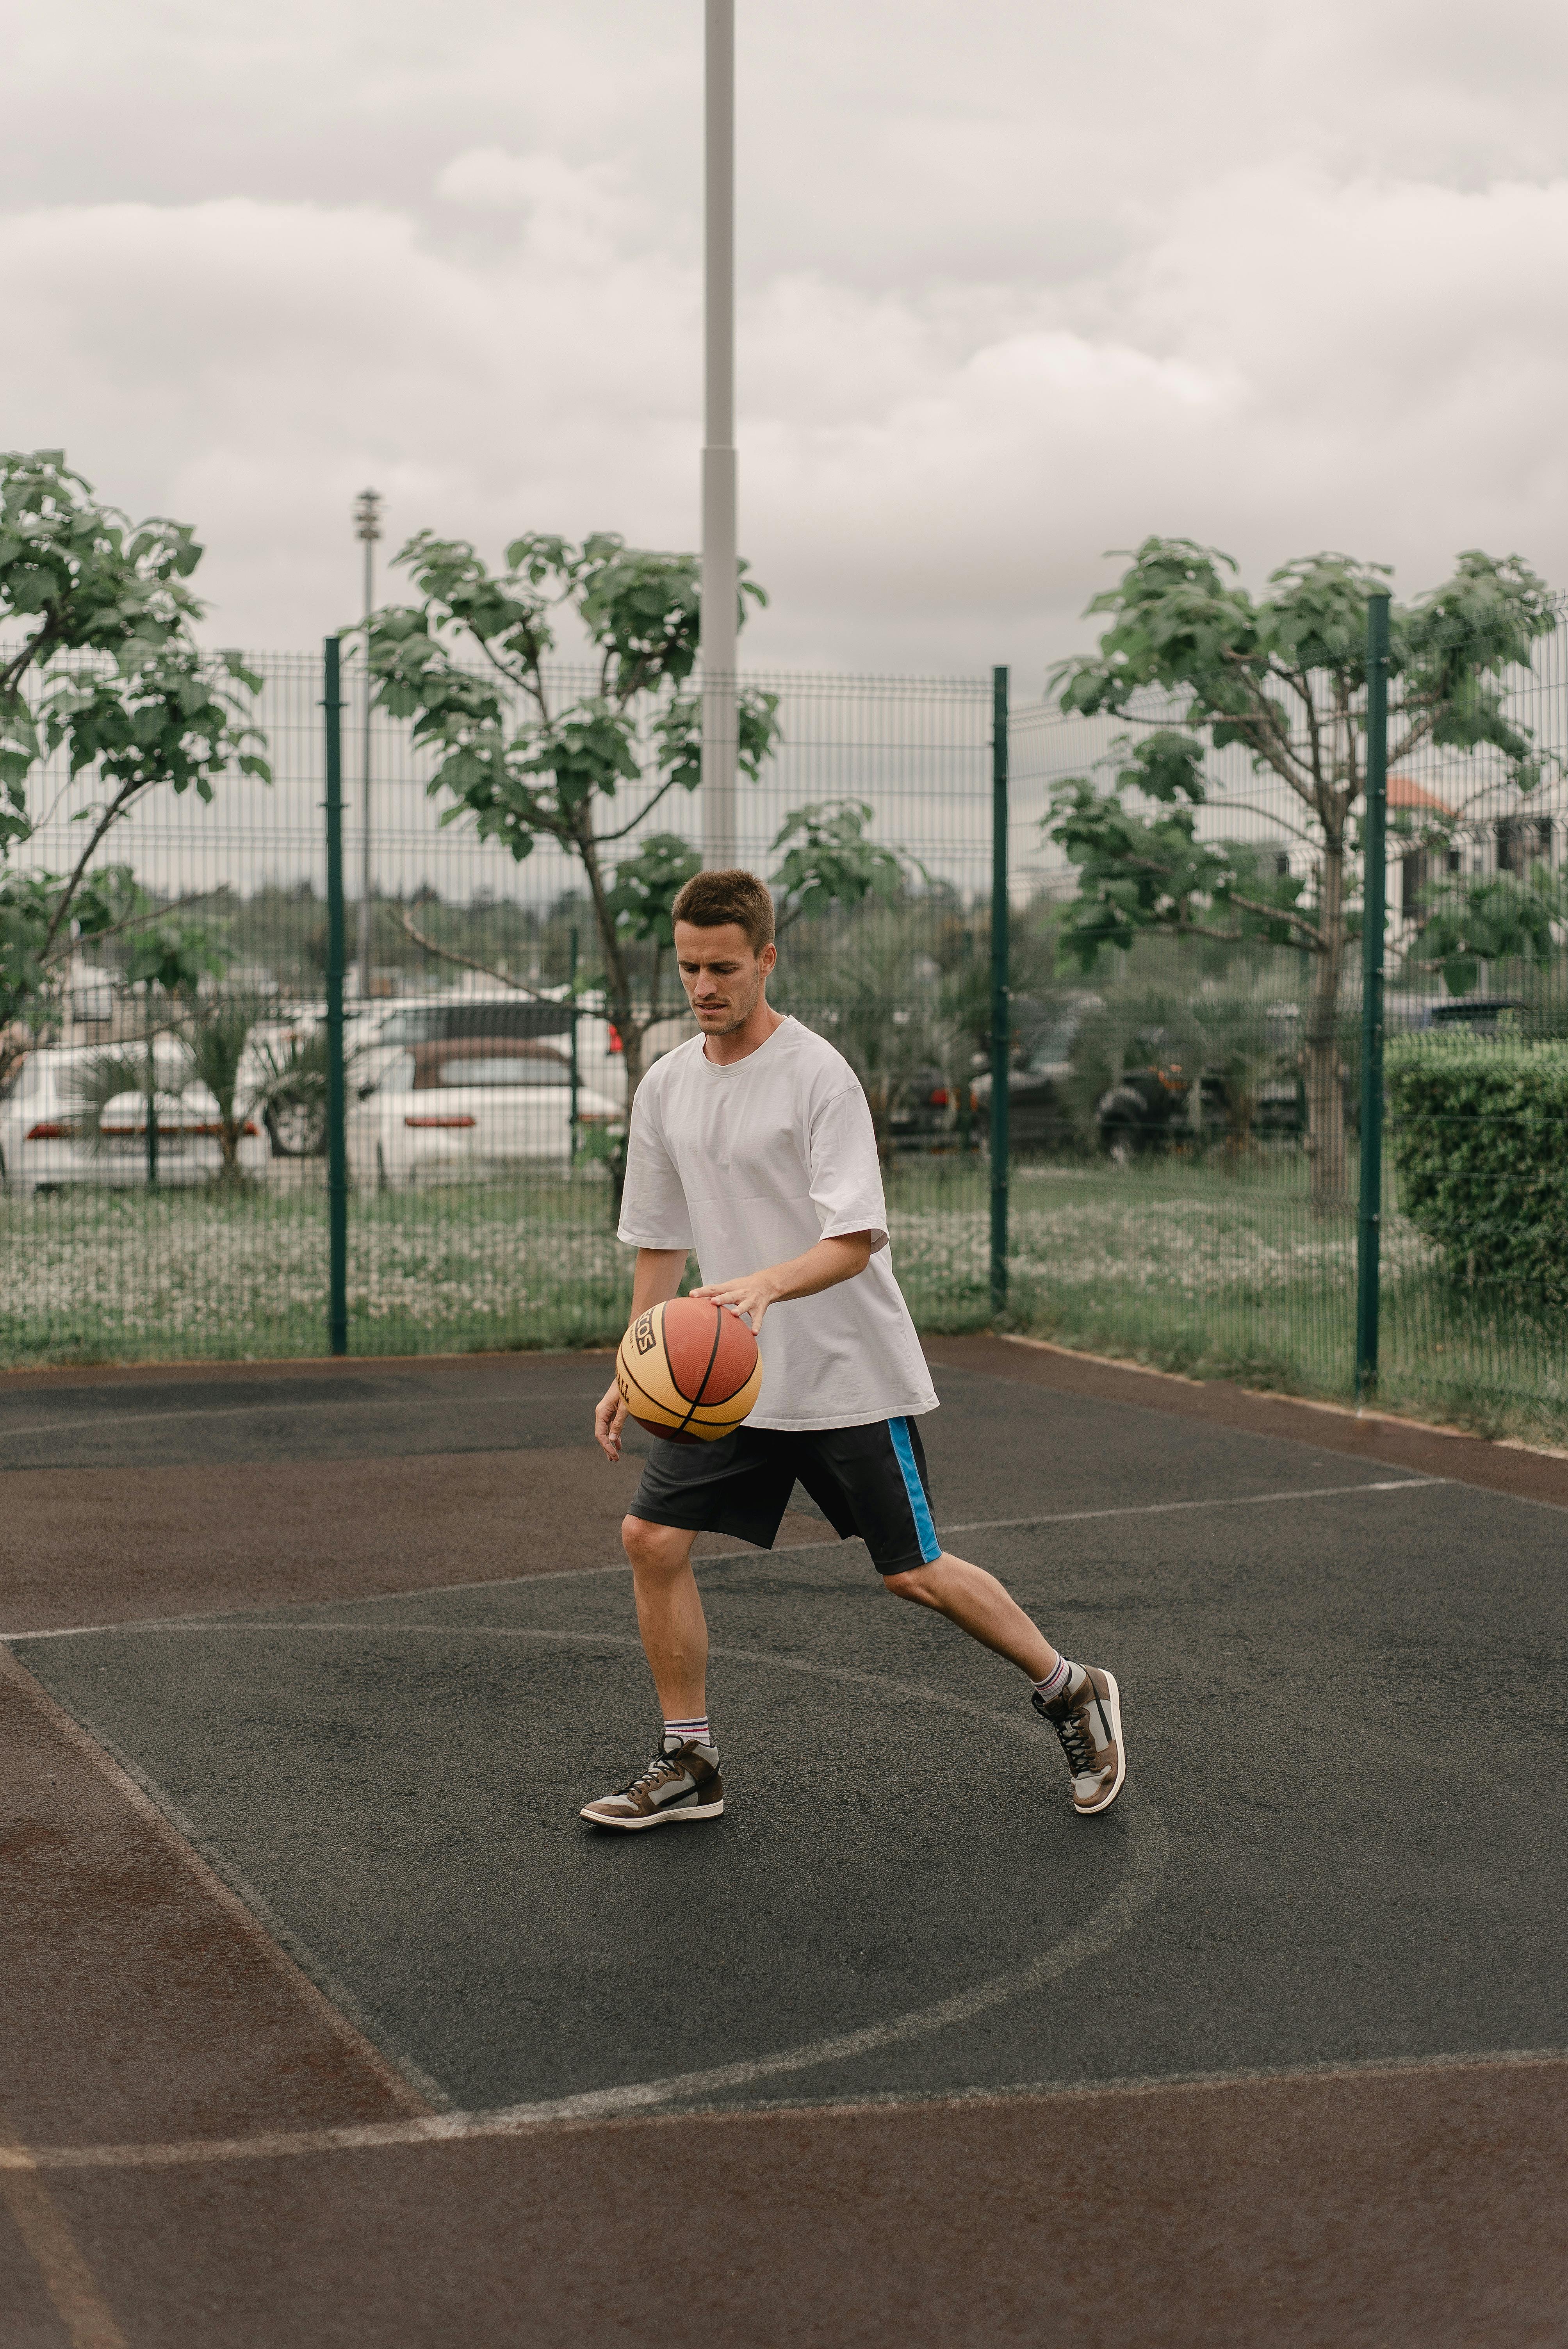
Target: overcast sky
{"x":1019,"y":285}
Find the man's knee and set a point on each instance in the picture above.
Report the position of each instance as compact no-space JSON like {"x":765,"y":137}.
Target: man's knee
{"x":917,"y":1584}
{"x":653,"y":1548}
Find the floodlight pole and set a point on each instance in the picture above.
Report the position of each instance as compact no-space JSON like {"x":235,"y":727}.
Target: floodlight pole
{"x":1001,"y":998}
{"x":368,"y":525}
{"x":720,"y":565}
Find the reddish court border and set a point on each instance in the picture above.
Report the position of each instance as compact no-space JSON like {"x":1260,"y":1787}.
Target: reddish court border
{"x":233,"y":1535}
{"x":1398,"y":2209}
{"x":1422,"y":2206}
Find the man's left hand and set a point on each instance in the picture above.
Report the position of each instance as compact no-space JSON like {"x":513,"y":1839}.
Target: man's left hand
{"x":750,"y":1296}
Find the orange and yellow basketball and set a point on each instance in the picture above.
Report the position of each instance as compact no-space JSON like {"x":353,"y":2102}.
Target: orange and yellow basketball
{"x":689,"y":1371}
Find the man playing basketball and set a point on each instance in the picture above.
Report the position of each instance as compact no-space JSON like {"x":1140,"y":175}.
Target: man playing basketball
{"x":752,"y":1143}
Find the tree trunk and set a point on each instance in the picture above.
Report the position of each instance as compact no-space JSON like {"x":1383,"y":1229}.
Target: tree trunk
{"x":617,"y":978}
{"x":618,"y":1004}
{"x":1326,"y":1141}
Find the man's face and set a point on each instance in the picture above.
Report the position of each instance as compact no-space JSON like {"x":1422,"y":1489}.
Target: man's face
{"x":722,"y":977}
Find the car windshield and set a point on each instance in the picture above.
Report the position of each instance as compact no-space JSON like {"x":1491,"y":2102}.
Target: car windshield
{"x":1482,"y":1014}
{"x":516,"y":1069}
{"x":475,"y":1023}
{"x":409,"y":1028}
{"x":1052,"y":1043}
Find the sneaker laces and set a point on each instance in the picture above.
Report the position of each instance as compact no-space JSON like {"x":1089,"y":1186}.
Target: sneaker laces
{"x":662,"y":1766}
{"x":1076,"y":1743}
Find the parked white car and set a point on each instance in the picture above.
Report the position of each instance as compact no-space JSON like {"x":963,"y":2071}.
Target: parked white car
{"x":442,"y":1107}
{"x":41,"y":1150}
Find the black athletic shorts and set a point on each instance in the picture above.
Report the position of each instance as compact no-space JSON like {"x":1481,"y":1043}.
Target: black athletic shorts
{"x":869,"y":1480}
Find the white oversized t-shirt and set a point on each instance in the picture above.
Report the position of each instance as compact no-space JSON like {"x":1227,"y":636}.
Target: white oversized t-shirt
{"x":753,"y":1164}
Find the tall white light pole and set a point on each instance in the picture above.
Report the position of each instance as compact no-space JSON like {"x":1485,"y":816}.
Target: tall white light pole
{"x":368,"y":525}
{"x":718,"y":460}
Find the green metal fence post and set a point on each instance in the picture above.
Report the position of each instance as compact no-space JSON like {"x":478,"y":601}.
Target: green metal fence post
{"x":150,"y":1104}
{"x":1373,"y":835}
{"x":572,"y":967}
{"x":1001,"y":1005}
{"x":336,"y":1089}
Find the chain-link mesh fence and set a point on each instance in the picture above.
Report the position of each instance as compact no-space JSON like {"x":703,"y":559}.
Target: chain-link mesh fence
{"x":1184,"y":1169}
{"x":486,"y":1085}
{"x":1178,"y":1191}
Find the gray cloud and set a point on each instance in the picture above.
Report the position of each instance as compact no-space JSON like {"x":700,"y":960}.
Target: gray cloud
{"x":1017,"y":288}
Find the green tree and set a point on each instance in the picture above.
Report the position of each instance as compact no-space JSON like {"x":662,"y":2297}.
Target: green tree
{"x":1282,"y":676}
{"x":829,"y":862}
{"x":108,"y":668}
{"x":1489,"y":917}
{"x":646,"y":886}
{"x":585,"y":773}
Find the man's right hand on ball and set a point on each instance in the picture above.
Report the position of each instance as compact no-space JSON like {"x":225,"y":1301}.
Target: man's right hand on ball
{"x":608,"y":1422}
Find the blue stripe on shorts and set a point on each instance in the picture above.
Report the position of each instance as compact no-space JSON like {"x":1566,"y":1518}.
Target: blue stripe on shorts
{"x":920,"y":1507}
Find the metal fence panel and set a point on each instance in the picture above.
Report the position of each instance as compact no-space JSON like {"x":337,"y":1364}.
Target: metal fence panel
{"x":481,"y":1215}
{"x":1200,"y":1244}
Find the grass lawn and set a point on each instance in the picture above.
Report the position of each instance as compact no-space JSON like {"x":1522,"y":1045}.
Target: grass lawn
{"x":1181,"y":1264}
{"x":1191,"y":1268}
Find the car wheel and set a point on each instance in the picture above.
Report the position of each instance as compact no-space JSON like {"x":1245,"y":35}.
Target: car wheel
{"x":296,"y":1126}
{"x":1123,"y":1127}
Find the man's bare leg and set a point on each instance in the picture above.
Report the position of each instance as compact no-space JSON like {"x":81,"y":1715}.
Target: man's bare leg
{"x":979,"y":1605}
{"x":1081,"y":1702}
{"x":669,"y":1615}
{"x":681,"y":1781}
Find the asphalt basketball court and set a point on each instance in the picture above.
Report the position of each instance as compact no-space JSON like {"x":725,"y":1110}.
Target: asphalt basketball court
{"x":327,"y":2020}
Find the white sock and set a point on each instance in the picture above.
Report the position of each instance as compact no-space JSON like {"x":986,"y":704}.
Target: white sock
{"x":693,"y":1731}
{"x":1055,"y":1685}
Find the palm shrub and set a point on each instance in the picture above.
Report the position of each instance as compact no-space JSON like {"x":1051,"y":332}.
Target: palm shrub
{"x":107,"y":1076}
{"x":215,"y":1047}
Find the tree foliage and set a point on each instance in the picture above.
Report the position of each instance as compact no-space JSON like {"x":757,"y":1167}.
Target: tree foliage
{"x":106,"y":670}
{"x":1490,"y":918}
{"x":1282,"y":677}
{"x":469,"y":665}
{"x":647,"y":885}
{"x":828,"y":860}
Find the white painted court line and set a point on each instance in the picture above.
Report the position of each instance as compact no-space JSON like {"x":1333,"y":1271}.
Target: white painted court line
{"x":1146,"y":1862}
{"x":329,"y":2002}
{"x":792,"y":1549}
{"x":87,"y":1420}
{"x":466,"y":2128}
{"x":68,"y":2280}
{"x":645,"y":2098}
{"x":1169,"y":1508}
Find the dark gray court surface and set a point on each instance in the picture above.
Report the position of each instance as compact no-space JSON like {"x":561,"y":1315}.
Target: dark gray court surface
{"x":1343,"y":1836}
{"x":178,"y":1422}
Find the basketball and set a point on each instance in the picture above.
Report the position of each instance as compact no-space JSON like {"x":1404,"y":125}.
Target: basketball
{"x":689,"y":1371}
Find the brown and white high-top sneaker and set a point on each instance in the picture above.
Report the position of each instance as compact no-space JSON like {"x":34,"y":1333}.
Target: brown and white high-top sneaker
{"x":1088,"y":1720}
{"x":682,"y":1782}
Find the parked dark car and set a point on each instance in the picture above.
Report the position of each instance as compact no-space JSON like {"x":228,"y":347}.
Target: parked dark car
{"x":933,"y":1113}
{"x":1151,"y":1106}
{"x":1039,"y":1110}
{"x":1482,"y":1012}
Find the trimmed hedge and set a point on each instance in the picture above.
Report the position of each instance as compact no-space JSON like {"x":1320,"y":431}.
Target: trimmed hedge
{"x":1479,"y":1134}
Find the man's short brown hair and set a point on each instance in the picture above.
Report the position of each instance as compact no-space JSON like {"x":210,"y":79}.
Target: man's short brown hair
{"x":710,"y":899}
